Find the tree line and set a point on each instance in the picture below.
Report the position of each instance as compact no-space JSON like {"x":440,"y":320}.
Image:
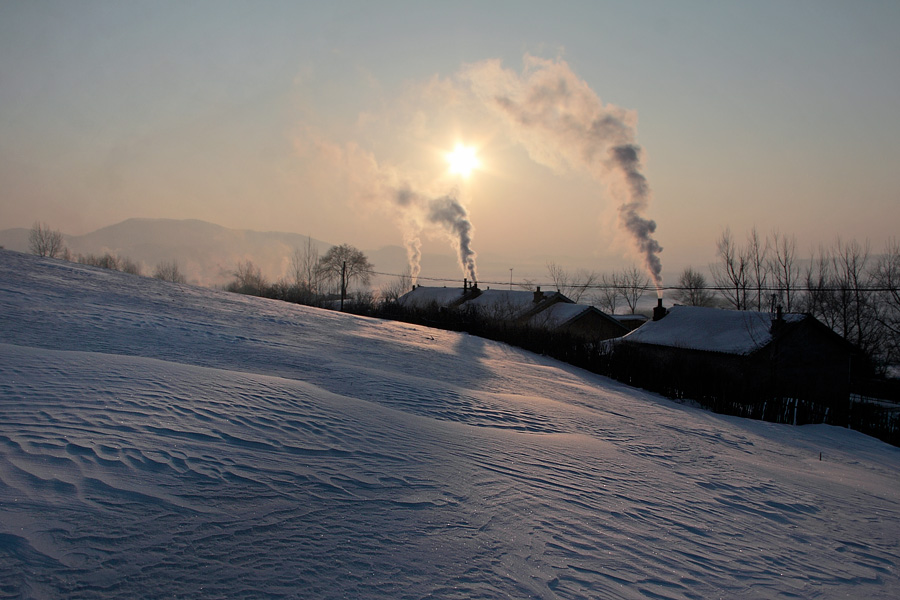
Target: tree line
{"x":50,"y":243}
{"x":845,"y":284}
{"x":312,"y":280}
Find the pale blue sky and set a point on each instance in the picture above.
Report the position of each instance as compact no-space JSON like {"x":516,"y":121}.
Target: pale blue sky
{"x":779,"y":114}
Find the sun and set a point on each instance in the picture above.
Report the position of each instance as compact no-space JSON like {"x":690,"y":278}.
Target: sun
{"x":463,"y":160}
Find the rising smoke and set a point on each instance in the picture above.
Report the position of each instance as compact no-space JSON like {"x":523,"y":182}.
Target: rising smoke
{"x":448,"y":214}
{"x":627,"y":159}
{"x":563,"y":124}
{"x":417,"y":208}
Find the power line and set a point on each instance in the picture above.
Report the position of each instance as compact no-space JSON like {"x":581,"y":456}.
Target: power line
{"x":653,"y":288}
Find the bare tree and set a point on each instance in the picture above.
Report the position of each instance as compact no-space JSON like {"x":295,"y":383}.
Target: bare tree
{"x":572,"y":286}
{"x":169,"y":271}
{"x":248,"y":279}
{"x":758,"y":268}
{"x":887,"y":277}
{"x":391,"y":291}
{"x":851,"y":267}
{"x":106,"y":260}
{"x":839,"y":281}
{"x":558,"y":276}
{"x":344,"y":264}
{"x":126,"y":265}
{"x":528,"y":285}
{"x":784,"y":269}
{"x":305,"y":267}
{"x":45,"y":242}
{"x":692,"y":289}
{"x":634,"y":283}
{"x":609,"y":292}
{"x":818,"y":279}
{"x":730,"y":273}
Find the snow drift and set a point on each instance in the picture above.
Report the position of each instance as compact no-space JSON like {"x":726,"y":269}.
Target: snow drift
{"x":159,"y":440}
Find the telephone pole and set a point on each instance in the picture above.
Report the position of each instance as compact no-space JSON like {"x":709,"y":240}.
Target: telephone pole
{"x":343,"y":283}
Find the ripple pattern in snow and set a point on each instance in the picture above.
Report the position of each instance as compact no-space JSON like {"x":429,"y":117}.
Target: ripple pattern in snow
{"x":163,"y":441}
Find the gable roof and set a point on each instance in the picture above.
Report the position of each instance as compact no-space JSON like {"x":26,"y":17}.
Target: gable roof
{"x":710,"y":329}
{"x":559,"y":314}
{"x":512,"y":303}
{"x":631,"y":322}
{"x":422,"y":297}
{"x":562,"y":314}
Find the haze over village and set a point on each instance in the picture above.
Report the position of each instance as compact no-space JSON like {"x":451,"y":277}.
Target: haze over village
{"x":311,"y":120}
{"x":515,"y":299}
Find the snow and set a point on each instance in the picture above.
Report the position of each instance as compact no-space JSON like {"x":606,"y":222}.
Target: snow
{"x":162,"y":441}
{"x":558,"y":314}
{"x":423,"y":296}
{"x":710,"y":329}
{"x":501,"y":304}
{"x":511,"y":303}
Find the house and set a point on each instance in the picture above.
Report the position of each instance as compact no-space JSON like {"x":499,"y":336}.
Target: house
{"x":630,"y":322}
{"x":422,"y":297}
{"x":512,"y":305}
{"x":740,"y":356}
{"x":581,"y":320}
{"x":542,"y":310}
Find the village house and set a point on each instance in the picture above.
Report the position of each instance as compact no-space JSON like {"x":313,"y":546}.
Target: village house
{"x":740,"y":357}
{"x":581,"y":320}
{"x":550,"y":311}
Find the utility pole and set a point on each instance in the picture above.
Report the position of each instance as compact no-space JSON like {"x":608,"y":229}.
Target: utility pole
{"x":510,"y":278}
{"x":343,"y":283}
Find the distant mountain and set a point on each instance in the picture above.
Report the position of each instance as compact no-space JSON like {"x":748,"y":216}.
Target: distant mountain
{"x":208,"y":254}
{"x":205,"y":252}
{"x":14,"y":239}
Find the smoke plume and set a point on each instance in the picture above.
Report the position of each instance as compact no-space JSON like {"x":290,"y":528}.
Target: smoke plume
{"x":627,"y":159}
{"x":564,"y":125}
{"x":417,"y":208}
{"x":448,"y":215}
{"x":448,"y":212}
{"x":413,"y":243}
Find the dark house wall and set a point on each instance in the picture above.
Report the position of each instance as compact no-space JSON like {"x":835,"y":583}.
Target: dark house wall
{"x":592,"y":325}
{"x":810,"y":361}
{"x":806,"y":362}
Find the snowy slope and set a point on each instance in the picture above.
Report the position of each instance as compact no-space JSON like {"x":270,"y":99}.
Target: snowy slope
{"x":163,"y":441}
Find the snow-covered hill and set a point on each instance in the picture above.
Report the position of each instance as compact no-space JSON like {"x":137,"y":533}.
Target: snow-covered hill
{"x":162,"y":441}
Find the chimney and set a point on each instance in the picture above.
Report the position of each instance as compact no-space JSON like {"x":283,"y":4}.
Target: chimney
{"x":538,"y":295}
{"x":778,"y":323}
{"x":659,"y":312}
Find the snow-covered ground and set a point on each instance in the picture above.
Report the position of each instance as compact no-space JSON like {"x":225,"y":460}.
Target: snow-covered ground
{"x":165,"y":441}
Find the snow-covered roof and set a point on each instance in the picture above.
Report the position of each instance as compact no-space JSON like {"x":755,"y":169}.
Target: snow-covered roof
{"x":628,"y":319}
{"x":508,"y":303}
{"x":519,"y":299}
{"x":558,"y":315}
{"x":504,"y":304}
{"x":710,"y":329}
{"x":423,"y":296}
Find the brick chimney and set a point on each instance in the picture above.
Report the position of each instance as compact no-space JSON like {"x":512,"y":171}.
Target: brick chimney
{"x":658,"y":311}
{"x":538,"y":295}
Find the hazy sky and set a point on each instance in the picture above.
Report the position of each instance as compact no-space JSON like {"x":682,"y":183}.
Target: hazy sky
{"x":333,"y":120}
